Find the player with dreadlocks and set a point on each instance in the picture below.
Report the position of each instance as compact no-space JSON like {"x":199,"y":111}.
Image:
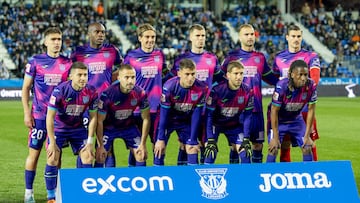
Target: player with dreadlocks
{"x":290,"y":96}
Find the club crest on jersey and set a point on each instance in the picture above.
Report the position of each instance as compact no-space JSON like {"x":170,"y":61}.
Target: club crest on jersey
{"x":106,"y":54}
{"x":208,"y":61}
{"x":85,"y":99}
{"x":213,"y":183}
{"x":241,"y":100}
{"x":156,"y":58}
{"x":304,"y":95}
{"x":62,"y":67}
{"x":133,"y":102}
{"x":194,"y":97}
{"x":257,"y":60}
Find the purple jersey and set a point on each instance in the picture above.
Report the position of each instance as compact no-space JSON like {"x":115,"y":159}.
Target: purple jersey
{"x":179,"y":105}
{"x":70,"y":106}
{"x":182,"y":101}
{"x":255,"y":69}
{"x":292,"y":102}
{"x":119,"y":107}
{"x":284,"y":59}
{"x":206,"y":66}
{"x":148,"y":67}
{"x":100,"y":62}
{"x":47,"y":73}
{"x":226,"y":105}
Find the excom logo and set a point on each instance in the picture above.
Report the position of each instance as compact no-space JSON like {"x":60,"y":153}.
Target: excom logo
{"x":127,"y":184}
{"x":294,"y":181}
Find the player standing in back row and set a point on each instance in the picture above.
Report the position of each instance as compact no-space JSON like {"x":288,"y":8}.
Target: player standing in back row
{"x":207,"y":70}
{"x":103,"y":59}
{"x":42,"y":74}
{"x":256,"y":70}
{"x":148,"y":63}
{"x":281,"y":67}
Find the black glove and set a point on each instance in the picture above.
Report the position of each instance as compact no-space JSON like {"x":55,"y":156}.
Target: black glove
{"x":211,"y":148}
{"x":247,"y":146}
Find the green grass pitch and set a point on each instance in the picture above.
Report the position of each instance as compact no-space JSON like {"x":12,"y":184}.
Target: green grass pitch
{"x":338,"y":123}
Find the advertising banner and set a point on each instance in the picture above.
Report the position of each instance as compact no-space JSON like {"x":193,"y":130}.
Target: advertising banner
{"x":330,"y":181}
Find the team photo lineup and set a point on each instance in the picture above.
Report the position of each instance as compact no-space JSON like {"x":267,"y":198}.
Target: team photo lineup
{"x":87,"y":98}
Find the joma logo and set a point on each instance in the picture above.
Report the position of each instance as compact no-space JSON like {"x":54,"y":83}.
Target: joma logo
{"x":294,"y":181}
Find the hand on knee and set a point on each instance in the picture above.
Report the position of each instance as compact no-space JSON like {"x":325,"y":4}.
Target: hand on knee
{"x":86,"y":157}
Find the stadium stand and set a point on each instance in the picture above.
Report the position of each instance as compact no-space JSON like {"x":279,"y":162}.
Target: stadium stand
{"x":22,"y":23}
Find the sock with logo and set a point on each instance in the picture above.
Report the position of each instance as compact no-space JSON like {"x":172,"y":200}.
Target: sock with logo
{"x":257,"y":156}
{"x":202,"y":156}
{"x":314,"y":153}
{"x":50,"y":180}
{"x":131,"y":160}
{"x":98,"y":165}
{"x":182,"y":157}
{"x":308,"y":157}
{"x":159,"y":162}
{"x":192,"y":159}
{"x":110,"y":162}
{"x":138,"y":163}
{"x":285,"y":155}
{"x":29,"y":179}
{"x":243,"y":158}
{"x":270,"y":158}
{"x":234,"y":157}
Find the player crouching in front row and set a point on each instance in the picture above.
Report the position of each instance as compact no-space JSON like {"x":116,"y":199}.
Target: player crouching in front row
{"x":224,"y":106}
{"x":290,"y":96}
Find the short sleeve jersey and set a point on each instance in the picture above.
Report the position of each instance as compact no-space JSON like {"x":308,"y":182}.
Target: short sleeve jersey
{"x":148,"y":67}
{"x":255,"y":68}
{"x":292,"y":102}
{"x":100,"y":62}
{"x":47,"y":73}
{"x":70,"y":106}
{"x":182,"y":101}
{"x":228,"y":104}
{"x":119,"y":107}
